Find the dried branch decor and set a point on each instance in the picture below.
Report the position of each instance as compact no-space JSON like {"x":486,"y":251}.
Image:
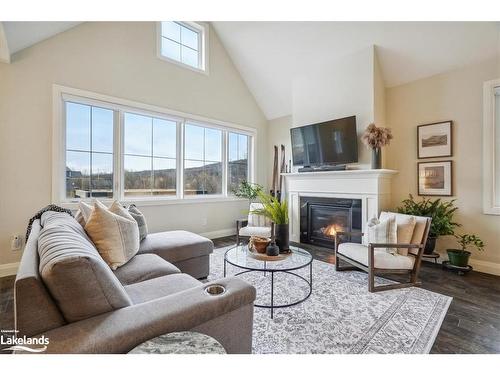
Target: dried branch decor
{"x":375,"y":137}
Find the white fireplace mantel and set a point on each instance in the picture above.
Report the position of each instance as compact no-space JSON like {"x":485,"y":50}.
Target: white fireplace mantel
{"x":372,"y":186}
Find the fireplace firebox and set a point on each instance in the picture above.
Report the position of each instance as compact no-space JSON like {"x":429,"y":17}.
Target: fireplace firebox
{"x":321,"y":218}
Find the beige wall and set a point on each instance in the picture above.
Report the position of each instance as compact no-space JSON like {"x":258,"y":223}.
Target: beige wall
{"x":117,"y":59}
{"x":335,"y":89}
{"x":456,"y":96}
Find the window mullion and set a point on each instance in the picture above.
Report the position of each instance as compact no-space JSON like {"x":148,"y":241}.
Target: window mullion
{"x":180,"y":159}
{"x":118,"y":155}
{"x":224,"y":163}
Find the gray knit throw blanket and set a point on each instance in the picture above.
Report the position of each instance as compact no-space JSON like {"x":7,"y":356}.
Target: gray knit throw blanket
{"x":38,"y":215}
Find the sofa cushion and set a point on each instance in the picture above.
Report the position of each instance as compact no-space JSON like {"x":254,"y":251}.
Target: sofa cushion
{"x":144,"y":267}
{"x":78,"y":279}
{"x":141,"y":221}
{"x":382,"y":259}
{"x":175,"y":246}
{"x":160,"y":287}
{"x":114,"y":232}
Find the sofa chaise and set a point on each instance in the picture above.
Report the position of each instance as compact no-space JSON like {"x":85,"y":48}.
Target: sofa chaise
{"x":65,"y":291}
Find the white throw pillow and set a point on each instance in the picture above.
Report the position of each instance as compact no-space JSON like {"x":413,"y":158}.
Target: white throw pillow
{"x":406,"y":227}
{"x":85,"y":211}
{"x":114,"y":232}
{"x":383,"y":231}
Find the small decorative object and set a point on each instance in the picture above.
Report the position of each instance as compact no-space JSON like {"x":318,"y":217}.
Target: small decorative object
{"x":434,"y":178}
{"x":460,"y":257}
{"x":277,"y":212}
{"x":434,"y":140}
{"x":272,"y":249}
{"x":248,"y":190}
{"x":258,"y":244}
{"x":375,"y":138}
{"x":440,"y":212}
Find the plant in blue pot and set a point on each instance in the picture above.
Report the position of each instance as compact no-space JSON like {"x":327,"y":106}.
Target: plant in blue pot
{"x":460,"y":257}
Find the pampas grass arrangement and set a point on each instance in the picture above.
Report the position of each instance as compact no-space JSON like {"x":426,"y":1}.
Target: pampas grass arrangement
{"x":375,"y":137}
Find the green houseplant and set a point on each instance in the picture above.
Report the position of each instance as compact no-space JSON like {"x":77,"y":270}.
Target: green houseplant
{"x":248,"y":190}
{"x":441,"y":213}
{"x":277,"y":212}
{"x":460,"y":257}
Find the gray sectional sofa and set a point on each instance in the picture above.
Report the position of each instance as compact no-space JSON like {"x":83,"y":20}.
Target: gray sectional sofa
{"x":65,"y":291}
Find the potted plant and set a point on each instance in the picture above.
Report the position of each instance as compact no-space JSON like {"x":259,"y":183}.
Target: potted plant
{"x":248,"y":190}
{"x":375,"y":138}
{"x":277,"y":212}
{"x":460,"y":257}
{"x":441,"y":213}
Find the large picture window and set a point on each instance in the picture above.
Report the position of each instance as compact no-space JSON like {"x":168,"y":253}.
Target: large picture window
{"x":116,"y":151}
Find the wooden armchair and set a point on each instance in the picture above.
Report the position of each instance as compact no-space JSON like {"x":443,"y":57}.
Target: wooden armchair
{"x":374,"y":261}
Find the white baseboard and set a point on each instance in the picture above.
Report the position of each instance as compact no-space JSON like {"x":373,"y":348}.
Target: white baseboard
{"x":8,"y":269}
{"x":219,"y":233}
{"x":485,"y":266}
{"x":478,"y":265}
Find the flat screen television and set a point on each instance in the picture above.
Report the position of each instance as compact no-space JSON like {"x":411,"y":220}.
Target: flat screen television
{"x":331,"y":142}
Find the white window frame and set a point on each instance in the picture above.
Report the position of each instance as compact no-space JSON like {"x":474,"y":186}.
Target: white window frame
{"x":203,"y":42}
{"x":61,"y":94}
{"x":490,"y":205}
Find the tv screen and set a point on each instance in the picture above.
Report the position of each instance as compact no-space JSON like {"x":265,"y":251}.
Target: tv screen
{"x":330,"y":142}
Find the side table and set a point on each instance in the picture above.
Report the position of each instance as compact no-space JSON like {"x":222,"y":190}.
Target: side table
{"x":180,"y":343}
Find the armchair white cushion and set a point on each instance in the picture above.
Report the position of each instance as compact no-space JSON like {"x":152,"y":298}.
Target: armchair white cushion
{"x":258,"y":225}
{"x":381,"y":257}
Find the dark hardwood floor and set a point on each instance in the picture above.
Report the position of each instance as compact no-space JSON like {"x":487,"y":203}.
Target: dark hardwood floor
{"x":472,"y":324}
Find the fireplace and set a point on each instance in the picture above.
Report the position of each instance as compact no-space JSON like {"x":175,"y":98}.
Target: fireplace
{"x":321,"y":218}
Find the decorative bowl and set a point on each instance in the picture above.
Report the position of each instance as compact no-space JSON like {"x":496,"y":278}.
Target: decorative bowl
{"x":258,"y":244}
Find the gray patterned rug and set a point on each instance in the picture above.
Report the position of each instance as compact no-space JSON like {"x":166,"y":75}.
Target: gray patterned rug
{"x":340,"y":316}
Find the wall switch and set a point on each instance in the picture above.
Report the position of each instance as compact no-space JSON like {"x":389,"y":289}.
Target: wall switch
{"x":16,"y":242}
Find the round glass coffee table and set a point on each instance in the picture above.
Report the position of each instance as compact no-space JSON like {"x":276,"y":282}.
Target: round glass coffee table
{"x":241,"y":258}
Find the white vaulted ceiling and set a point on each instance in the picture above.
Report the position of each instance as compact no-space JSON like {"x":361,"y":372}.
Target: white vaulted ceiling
{"x":270,"y":54}
{"x":20,"y":35}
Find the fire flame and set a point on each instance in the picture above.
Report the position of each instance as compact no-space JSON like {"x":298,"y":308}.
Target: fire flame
{"x":330,"y":230}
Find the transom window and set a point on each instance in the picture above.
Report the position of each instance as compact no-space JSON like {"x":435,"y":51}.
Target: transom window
{"x":183,"y":42}
{"x":120,"y":152}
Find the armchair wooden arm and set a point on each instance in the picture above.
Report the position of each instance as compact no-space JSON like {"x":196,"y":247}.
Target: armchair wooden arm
{"x":396,"y":245}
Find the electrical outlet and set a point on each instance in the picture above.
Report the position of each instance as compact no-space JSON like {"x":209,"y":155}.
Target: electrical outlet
{"x":204,"y":222}
{"x":16,"y":242}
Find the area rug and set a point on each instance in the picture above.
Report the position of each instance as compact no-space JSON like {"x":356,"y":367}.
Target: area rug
{"x":340,"y":316}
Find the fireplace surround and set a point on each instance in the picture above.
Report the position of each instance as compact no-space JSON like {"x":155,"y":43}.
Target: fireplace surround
{"x":372,"y":187}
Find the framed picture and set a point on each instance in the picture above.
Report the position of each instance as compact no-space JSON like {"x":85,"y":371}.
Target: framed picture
{"x":434,"y":140}
{"x":435,"y":178}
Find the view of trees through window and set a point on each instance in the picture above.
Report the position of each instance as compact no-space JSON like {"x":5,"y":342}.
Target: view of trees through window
{"x":149,"y":155}
{"x":202,"y":160}
{"x":237,"y":160}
